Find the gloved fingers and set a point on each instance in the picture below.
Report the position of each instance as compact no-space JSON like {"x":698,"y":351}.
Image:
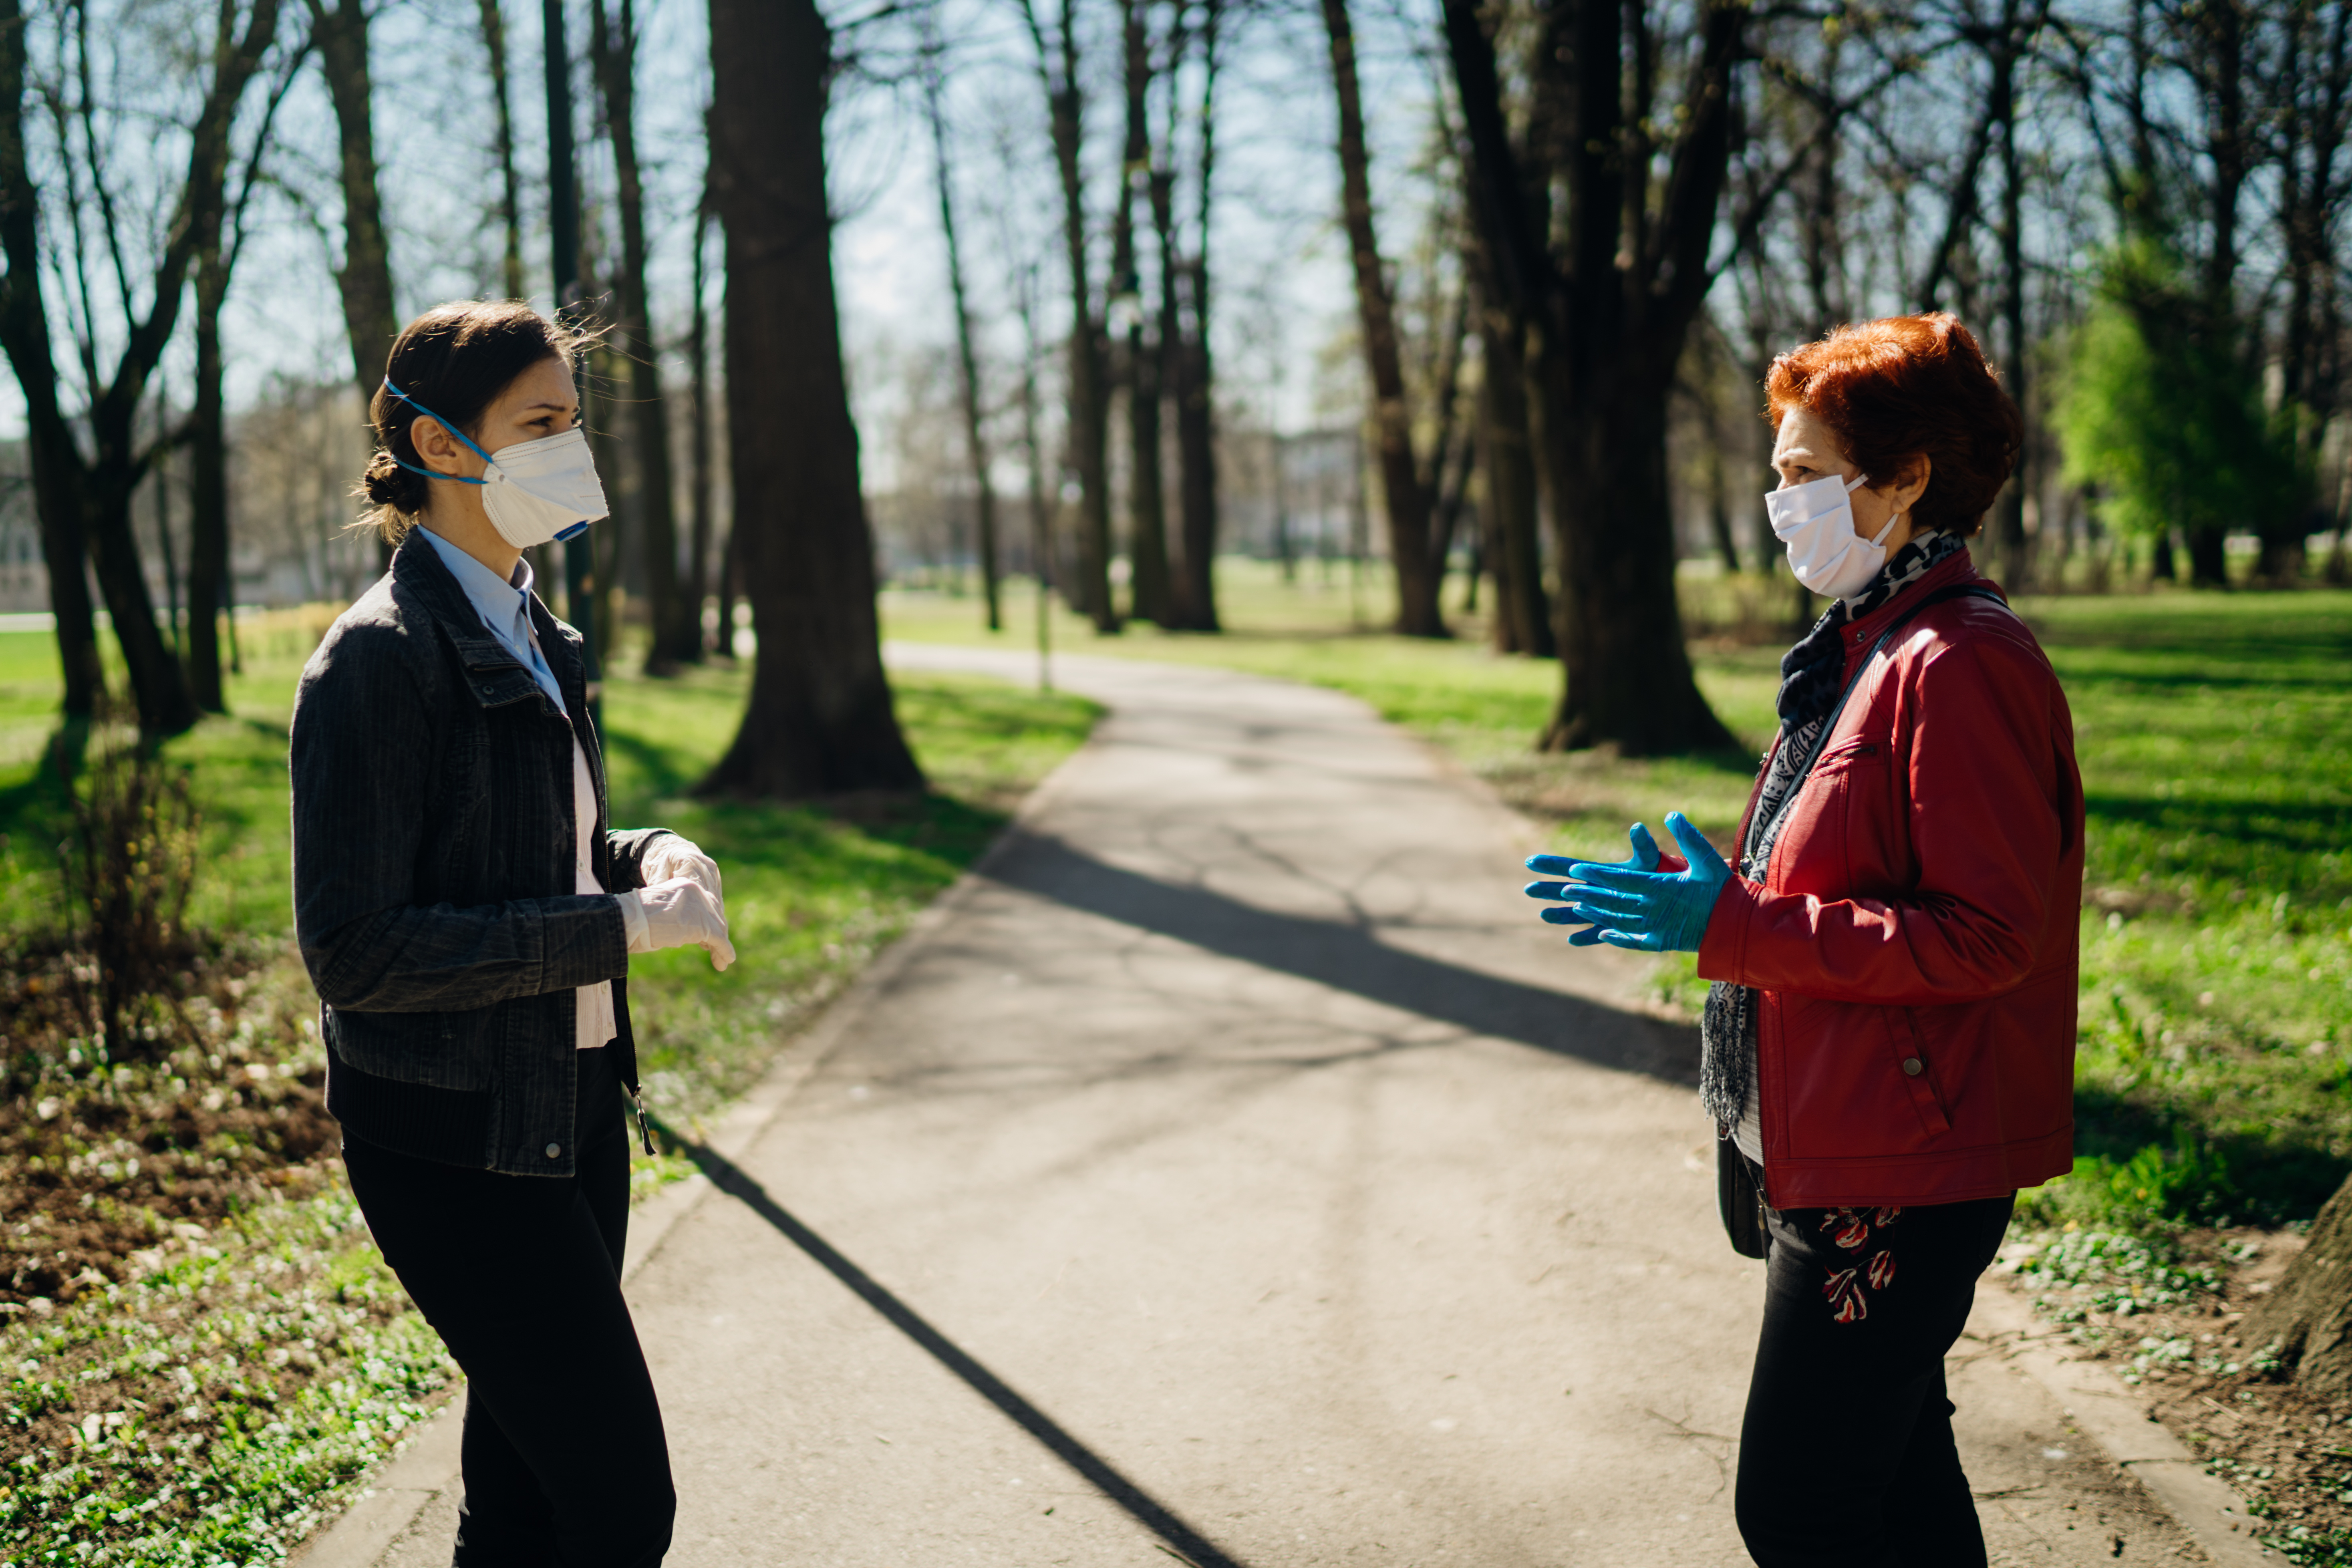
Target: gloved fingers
{"x":1645,"y":848}
{"x":1584,"y":936}
{"x":1549,"y":865}
{"x":1548,"y":889}
{"x":1619,"y":900}
{"x":1646,"y":942}
{"x":721,"y":951}
{"x":1619,"y":879}
{"x":673,"y":856}
{"x":1566,"y":915}
{"x":1695,"y":847}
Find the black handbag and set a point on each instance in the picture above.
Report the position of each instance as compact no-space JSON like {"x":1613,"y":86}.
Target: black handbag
{"x":1737,"y":1197}
{"x":1740,"y":1200}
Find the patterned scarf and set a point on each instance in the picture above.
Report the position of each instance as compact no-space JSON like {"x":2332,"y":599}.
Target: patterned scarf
{"x":1811,"y":676}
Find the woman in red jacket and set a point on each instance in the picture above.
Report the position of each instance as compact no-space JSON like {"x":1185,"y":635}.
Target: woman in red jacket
{"x":1889,"y":1035}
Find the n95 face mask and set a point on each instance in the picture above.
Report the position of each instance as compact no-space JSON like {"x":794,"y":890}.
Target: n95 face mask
{"x":534,"y":492}
{"x":1825,"y":551}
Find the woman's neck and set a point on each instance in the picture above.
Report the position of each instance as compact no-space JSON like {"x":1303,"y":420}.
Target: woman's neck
{"x":469,"y":529}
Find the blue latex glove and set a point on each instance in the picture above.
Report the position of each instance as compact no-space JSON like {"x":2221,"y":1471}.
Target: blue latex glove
{"x":1644,"y":859}
{"x":1632,"y":904}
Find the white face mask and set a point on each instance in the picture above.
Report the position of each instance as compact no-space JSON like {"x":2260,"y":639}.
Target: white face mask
{"x":535,"y":491}
{"x":1826,"y":551}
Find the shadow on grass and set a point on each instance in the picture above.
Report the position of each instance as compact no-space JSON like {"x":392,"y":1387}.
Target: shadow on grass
{"x":2291,"y":825}
{"x":2266,"y":1180}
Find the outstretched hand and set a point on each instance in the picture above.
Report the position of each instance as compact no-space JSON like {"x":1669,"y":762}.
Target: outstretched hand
{"x":1633,"y":903}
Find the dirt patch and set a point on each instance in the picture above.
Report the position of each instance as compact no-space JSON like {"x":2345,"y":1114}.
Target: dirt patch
{"x":2165,"y":1317}
{"x":100,"y":1158}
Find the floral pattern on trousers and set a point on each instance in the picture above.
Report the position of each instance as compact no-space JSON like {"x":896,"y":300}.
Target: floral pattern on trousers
{"x":1851,"y":1229}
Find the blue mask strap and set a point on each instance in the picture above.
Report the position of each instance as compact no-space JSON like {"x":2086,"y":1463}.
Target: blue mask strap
{"x":434,"y":473}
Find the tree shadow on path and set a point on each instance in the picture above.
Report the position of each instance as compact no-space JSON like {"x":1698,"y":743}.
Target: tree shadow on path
{"x":1350,"y":959}
{"x":1183,"y":1542}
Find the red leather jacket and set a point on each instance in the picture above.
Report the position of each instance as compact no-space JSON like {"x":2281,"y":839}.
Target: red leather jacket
{"x":1915,"y":942}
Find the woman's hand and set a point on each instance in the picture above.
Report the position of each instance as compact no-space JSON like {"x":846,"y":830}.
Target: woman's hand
{"x":676,"y":912}
{"x":1633,"y":904}
{"x":670,"y":856}
{"x":1644,"y":859}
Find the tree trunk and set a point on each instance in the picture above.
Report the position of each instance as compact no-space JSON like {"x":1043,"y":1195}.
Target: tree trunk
{"x":1195,"y":387}
{"x":2009,"y":512}
{"x":975,"y":429}
{"x":87,"y":505}
{"x":1146,"y":486}
{"x":698,"y":572}
{"x":24,"y":330}
{"x":2208,"y":558}
{"x":677,"y":626}
{"x":1089,"y":416}
{"x":1614,"y":307}
{"x":1719,"y":501}
{"x":2308,"y":1318}
{"x":1407,"y":502}
{"x":1629,"y":678}
{"x":493,"y":49}
{"x":819,"y":720}
{"x":339,"y":28}
{"x":208,"y":560}
{"x":1511,"y":502}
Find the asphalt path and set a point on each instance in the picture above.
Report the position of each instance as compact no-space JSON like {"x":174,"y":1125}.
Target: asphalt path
{"x":1239,"y":1174}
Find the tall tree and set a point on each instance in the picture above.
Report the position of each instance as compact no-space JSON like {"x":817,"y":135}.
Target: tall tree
{"x":338,"y":32}
{"x":1089,"y":433}
{"x":1147,"y":505}
{"x":975,"y":428}
{"x":677,"y":626}
{"x":494,"y":50}
{"x":1611,"y":302}
{"x":1402,"y":492}
{"x":209,"y":583}
{"x":85,"y":501}
{"x":2310,"y":103}
{"x":697,"y":341}
{"x":1192,"y":380}
{"x":819,"y":720}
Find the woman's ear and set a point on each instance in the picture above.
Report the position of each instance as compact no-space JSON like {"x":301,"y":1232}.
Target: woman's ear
{"x":435,"y":447}
{"x":1913,"y":483}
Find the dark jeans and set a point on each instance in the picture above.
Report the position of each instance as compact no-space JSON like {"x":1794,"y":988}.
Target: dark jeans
{"x":1846,"y":1457}
{"x":565,"y":1460}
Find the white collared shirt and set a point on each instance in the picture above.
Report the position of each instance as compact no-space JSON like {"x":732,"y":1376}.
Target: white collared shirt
{"x":596,"y":1022}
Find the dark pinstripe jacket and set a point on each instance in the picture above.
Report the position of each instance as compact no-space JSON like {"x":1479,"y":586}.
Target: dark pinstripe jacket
{"x":434,"y":873}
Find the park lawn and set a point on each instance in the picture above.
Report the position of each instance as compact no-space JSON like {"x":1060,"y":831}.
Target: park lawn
{"x":2214,"y":732}
{"x":811,"y":891}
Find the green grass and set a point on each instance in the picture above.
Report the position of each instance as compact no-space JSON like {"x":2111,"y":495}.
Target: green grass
{"x":810,"y":892}
{"x":2214,"y":732}
{"x":291,"y":1367}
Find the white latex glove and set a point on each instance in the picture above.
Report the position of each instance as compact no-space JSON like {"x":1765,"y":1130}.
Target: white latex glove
{"x":670,"y":856}
{"x":676,"y":913}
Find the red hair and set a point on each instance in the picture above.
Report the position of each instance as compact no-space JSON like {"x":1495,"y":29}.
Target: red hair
{"x":1910,"y":387}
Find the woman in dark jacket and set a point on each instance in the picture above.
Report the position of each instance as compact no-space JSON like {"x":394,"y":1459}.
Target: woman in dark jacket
{"x":468,"y":916}
{"x":1888,"y":1044}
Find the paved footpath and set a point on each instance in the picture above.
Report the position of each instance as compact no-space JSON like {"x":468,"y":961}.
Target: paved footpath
{"x":1242,"y":1120}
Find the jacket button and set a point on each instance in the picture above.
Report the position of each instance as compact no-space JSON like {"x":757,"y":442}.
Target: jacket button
{"x":1912,"y":1067}
{"x":555,"y":1149}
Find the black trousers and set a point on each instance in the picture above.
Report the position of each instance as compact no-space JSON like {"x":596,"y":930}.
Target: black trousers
{"x":1846,"y":1457}
{"x":566,"y":1466}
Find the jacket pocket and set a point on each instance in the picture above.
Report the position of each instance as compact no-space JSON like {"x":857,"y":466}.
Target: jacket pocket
{"x":1911,"y":1064}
